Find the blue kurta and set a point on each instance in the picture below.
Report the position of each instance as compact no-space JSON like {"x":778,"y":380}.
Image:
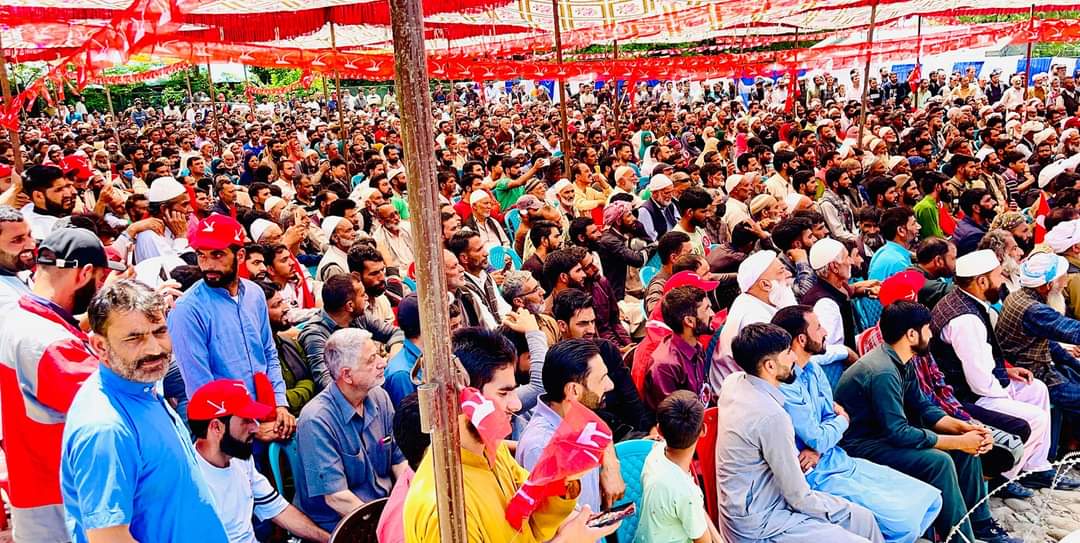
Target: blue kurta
{"x":903,"y":506}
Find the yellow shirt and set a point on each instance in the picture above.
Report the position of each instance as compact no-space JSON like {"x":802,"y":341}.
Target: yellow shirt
{"x":589,"y":198}
{"x":487,"y":492}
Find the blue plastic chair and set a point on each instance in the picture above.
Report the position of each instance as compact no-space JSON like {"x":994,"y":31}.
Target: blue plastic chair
{"x":292,"y":456}
{"x":646,"y":274}
{"x":497,"y":257}
{"x":632,"y":454}
{"x":409,"y":282}
{"x":512,"y":220}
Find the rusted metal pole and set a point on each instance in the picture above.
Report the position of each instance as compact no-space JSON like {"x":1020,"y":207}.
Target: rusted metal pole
{"x":866,"y":73}
{"x":564,"y":133}
{"x":213,"y":98}
{"x":418,"y":140}
{"x":13,"y":133}
{"x":1027,"y":65}
{"x":340,"y":105}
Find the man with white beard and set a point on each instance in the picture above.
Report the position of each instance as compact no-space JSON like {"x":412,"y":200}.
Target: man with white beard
{"x":1064,"y":239}
{"x":766,"y":287}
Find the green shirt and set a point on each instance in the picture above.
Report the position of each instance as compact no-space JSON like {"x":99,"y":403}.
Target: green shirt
{"x":506,"y":196}
{"x":926,"y":212}
{"x":880,"y":392}
{"x":672,"y":505}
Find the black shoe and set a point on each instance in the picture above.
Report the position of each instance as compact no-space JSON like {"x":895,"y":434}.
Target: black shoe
{"x":1012,"y":490}
{"x":990,"y":531}
{"x":1043,"y":479}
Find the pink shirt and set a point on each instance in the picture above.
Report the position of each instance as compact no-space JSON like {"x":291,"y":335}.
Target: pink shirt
{"x":391,"y":529}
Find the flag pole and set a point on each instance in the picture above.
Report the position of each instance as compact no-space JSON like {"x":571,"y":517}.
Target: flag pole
{"x":615,"y":92}
{"x":439,"y":396}
{"x":866,"y":73}
{"x":213,"y":99}
{"x":340,"y":104}
{"x":13,"y":133}
{"x":1027,"y":64}
{"x":565,"y":137}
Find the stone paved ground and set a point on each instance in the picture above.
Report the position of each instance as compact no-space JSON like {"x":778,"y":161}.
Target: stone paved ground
{"x":1049,"y":516}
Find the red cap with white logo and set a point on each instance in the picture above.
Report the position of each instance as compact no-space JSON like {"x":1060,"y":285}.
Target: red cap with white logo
{"x":225,"y":397}
{"x":217,"y":232}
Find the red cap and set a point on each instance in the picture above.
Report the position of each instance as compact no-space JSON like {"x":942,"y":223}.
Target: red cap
{"x":901,"y":286}
{"x":689,"y":278}
{"x":77,"y":165}
{"x":5,"y":170}
{"x":216,"y":232}
{"x":225,"y":397}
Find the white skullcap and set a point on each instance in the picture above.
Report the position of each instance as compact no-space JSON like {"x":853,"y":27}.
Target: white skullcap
{"x":1050,"y":171}
{"x":1063,"y":236}
{"x":621,"y":171}
{"x":751,"y":269}
{"x":825,"y":251}
{"x":272,"y":201}
{"x":1043,"y":135}
{"x":983,"y":153}
{"x":1031,"y":126}
{"x":560,"y":184}
{"x":394,"y":173}
{"x":792,"y":201}
{"x":977,"y":263}
{"x":329,"y":224}
{"x":659,"y":182}
{"x":259,"y":227}
{"x":477,"y":196}
{"x":164,"y":189}
{"x":1042,"y":268}
{"x":893,"y":161}
{"x":732,"y":181}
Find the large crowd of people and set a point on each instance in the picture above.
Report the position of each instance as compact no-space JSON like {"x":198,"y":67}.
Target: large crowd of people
{"x":883,"y":316}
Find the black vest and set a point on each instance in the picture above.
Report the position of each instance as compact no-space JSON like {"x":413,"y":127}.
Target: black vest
{"x":822,"y":289}
{"x":659,"y":217}
{"x":955,"y":304}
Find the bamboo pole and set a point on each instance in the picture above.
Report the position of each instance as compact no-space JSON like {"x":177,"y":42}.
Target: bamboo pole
{"x":417,"y":138}
{"x":187,"y":79}
{"x":213,"y":98}
{"x":1027,"y":65}
{"x":794,"y":85}
{"x":13,"y":133}
{"x":866,"y":72}
{"x":340,"y":104}
{"x":564,"y":131}
{"x":108,"y":98}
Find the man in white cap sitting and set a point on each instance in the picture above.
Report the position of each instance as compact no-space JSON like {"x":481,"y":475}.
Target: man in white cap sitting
{"x":481,"y":221}
{"x":339,"y":231}
{"x":169,"y":202}
{"x":967,"y":351}
{"x":625,"y":182}
{"x":658,"y":213}
{"x":1029,"y":331}
{"x":1064,"y":239}
{"x":766,"y":288}
{"x":737,"y":208}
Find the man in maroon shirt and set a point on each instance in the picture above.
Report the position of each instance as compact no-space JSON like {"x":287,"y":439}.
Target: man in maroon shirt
{"x":679,"y":361}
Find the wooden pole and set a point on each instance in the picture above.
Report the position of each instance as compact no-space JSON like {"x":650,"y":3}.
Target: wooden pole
{"x":213,"y":98}
{"x":325,"y":96}
{"x":615,"y":92}
{"x":794,"y":85}
{"x":187,"y":79}
{"x":340,"y":105}
{"x":453,"y":98}
{"x":108,"y":98}
{"x":13,"y":133}
{"x":866,"y":72}
{"x":418,"y":140}
{"x":1027,"y":65}
{"x":564,"y":137}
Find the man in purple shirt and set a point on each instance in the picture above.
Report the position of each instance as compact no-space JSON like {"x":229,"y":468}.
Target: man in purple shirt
{"x":679,"y":361}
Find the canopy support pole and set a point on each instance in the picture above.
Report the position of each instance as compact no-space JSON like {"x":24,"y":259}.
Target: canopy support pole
{"x":453,"y":99}
{"x":616,"y":110}
{"x":418,"y":140}
{"x":5,"y":86}
{"x":794,"y":87}
{"x":866,"y":73}
{"x":1027,"y":65}
{"x":564,"y":133}
{"x":213,"y":98}
{"x":340,"y":105}
{"x":187,"y":79}
{"x":108,"y":98}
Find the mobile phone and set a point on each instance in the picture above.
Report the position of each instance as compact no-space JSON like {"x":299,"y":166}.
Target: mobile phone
{"x":612,"y":516}
{"x":508,"y":264}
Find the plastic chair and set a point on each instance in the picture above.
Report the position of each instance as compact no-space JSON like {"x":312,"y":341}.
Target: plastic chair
{"x":409,"y":282}
{"x":632,"y":454}
{"x":646,"y":274}
{"x":497,"y":257}
{"x":705,"y":457}
{"x":360,"y":525}
{"x":292,"y":456}
{"x":513,"y":221}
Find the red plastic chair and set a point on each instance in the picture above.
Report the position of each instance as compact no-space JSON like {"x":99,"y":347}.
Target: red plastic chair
{"x":706,"y":464}
{"x":4,"y":482}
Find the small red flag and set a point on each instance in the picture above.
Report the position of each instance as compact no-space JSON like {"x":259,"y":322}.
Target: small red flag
{"x":945,"y":220}
{"x":492,"y":425}
{"x":1041,"y":209}
{"x":264,"y":392}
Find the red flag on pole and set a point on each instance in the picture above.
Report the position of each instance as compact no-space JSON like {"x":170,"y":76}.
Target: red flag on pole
{"x":1041,"y":209}
{"x":576,"y":447}
{"x":945,"y":220}
{"x":492,"y":425}
{"x":914,"y":77}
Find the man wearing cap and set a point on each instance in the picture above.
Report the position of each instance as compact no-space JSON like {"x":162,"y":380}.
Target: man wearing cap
{"x":16,"y":255}
{"x":491,"y":232}
{"x":171,"y":204}
{"x":626,"y":182}
{"x":52,"y":197}
{"x":393,"y":238}
{"x":127,"y":465}
{"x":223,"y":419}
{"x":967,"y":350}
{"x":621,"y":246}
{"x":348,"y":455}
{"x":1012,"y":97}
{"x":678,"y":363}
{"x":220,"y":325}
{"x":341,"y":236}
{"x":511,"y":185}
{"x":766,"y":286}
{"x":1031,"y":332}
{"x":1064,"y":239}
{"x":737,"y":209}
{"x":658,"y":214}
{"x":831,"y":294}
{"x":45,"y":357}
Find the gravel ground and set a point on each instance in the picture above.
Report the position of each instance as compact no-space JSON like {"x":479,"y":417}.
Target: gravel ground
{"x":1049,"y":516}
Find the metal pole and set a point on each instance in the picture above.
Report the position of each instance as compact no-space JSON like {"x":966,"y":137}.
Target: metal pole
{"x":325,"y":96}
{"x":108,"y":98}
{"x":794,"y":86}
{"x":213,"y":98}
{"x":1027,"y":65}
{"x":418,"y":140}
{"x":340,"y":104}
{"x":565,"y":137}
{"x":615,"y":92}
{"x":13,"y":133}
{"x":866,"y":72}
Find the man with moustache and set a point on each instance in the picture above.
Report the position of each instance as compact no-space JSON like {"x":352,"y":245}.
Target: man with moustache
{"x":128,"y":467}
{"x":52,"y":197}
{"x":679,"y":361}
{"x":223,"y":419}
{"x":44,"y":358}
{"x":221,"y":325}
{"x":16,"y":255}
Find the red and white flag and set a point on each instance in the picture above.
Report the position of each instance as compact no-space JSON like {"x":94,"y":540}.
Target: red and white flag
{"x":492,"y":424}
{"x":1041,"y":209}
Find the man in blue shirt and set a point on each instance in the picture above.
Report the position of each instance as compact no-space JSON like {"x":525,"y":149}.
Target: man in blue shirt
{"x":128,"y":469}
{"x":221,"y":325}
{"x":399,"y":370}
{"x":900,"y":229}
